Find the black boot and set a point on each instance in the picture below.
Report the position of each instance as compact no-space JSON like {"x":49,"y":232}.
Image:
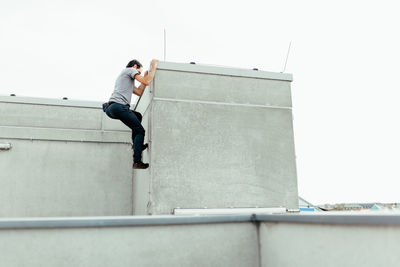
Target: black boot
{"x":140,"y":165}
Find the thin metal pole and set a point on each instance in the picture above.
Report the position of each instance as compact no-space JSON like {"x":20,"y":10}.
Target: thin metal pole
{"x":165,"y":44}
{"x":287,"y":56}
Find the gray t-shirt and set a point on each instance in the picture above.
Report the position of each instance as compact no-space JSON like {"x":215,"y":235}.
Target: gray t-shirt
{"x":124,"y":85}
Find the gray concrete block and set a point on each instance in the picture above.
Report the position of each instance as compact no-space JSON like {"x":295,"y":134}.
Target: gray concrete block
{"x":303,"y":245}
{"x":215,"y":144}
{"x":47,"y":116}
{"x":222,"y":88}
{"x":47,"y":178}
{"x":233,"y":244}
{"x":220,"y":156}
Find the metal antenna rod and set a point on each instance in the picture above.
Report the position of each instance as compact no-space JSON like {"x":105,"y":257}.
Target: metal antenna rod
{"x":165,"y":44}
{"x":287,"y":56}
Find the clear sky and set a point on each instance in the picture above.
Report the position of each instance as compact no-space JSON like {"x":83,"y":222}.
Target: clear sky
{"x":344,"y":58}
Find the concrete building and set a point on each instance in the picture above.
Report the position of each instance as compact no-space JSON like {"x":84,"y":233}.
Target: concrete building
{"x":219,"y":138}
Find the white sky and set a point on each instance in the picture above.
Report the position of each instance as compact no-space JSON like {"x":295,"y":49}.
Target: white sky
{"x":344,"y":58}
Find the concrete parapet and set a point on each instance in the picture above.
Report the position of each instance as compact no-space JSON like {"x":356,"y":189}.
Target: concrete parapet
{"x":223,"y":240}
{"x":211,"y":244}
{"x":66,"y":159}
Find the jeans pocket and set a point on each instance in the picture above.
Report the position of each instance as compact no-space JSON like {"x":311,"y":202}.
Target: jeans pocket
{"x":108,"y":113}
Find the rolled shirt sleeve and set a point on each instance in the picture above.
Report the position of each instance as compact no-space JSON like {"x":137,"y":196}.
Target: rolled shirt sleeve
{"x":133,"y":73}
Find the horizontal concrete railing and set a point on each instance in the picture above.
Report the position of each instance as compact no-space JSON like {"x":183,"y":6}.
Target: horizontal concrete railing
{"x":145,"y":241}
{"x":228,"y":240}
{"x":63,"y":120}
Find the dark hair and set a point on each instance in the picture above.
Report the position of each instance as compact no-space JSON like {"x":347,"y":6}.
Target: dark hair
{"x":133,"y":63}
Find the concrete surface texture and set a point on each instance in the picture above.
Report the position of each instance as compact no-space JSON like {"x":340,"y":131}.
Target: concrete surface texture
{"x":66,"y":159}
{"x":240,"y":240}
{"x":182,"y":245}
{"x":219,"y":138}
{"x":288,"y":244}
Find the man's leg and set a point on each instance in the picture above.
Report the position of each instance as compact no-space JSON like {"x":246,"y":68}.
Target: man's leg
{"x":130,"y":120}
{"x":124,"y":114}
{"x":139,"y":117}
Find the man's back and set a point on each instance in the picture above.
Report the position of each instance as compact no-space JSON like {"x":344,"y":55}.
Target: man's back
{"x":124,"y":87}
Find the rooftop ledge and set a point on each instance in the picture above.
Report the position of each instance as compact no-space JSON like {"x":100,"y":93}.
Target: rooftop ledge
{"x":228,"y":71}
{"x":50,"y":101}
{"x":120,"y":221}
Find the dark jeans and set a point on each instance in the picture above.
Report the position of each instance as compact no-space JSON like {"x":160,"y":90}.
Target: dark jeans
{"x":128,"y":117}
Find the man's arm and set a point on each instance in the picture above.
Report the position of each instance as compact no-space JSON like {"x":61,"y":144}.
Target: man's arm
{"x":147,"y":79}
{"x":139,"y":90}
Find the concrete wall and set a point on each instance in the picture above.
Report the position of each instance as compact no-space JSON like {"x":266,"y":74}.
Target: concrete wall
{"x":219,"y":138}
{"x":67,"y":159}
{"x":240,"y":240}
{"x":303,"y":245}
{"x":231,"y":244}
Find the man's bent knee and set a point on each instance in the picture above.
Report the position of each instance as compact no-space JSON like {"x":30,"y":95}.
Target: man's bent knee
{"x":142,"y":131}
{"x":138,"y":115}
{"x":139,"y":130}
